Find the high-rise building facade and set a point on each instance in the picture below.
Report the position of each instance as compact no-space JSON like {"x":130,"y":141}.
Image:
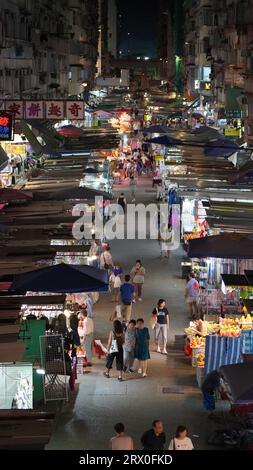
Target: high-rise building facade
{"x":47,"y":49}
{"x":218,"y":56}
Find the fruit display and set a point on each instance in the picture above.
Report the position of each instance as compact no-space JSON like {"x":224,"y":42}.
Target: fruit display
{"x":246,"y":322}
{"x":198,"y":342}
{"x":190,"y":331}
{"x":201,"y":360}
{"x":230,"y":330}
{"x":213,"y":328}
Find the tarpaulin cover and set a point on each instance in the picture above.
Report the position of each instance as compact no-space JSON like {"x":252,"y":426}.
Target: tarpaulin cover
{"x":239,"y":379}
{"x":76,"y":193}
{"x":62,"y":278}
{"x":222,"y":350}
{"x":221,"y":148}
{"x":164,"y":140}
{"x":8,"y":195}
{"x":70,"y":131}
{"x":156,"y":129}
{"x":3,"y":158}
{"x":226,"y":245}
{"x":90,"y":171}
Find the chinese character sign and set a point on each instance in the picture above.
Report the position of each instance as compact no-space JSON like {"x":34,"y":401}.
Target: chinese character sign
{"x":6,"y":123}
{"x":34,"y":109}
{"x":75,"y":110}
{"x":15,"y":108}
{"x":54,"y":109}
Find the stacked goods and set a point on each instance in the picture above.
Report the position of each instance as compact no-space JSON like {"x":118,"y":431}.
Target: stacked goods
{"x":213,"y":328}
{"x":201,"y":359}
{"x":198,"y":342}
{"x":230,"y":327}
{"x":246,"y":322}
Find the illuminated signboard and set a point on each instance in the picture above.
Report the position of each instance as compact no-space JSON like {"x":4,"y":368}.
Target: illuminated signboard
{"x":207,"y":86}
{"x":6,"y":126}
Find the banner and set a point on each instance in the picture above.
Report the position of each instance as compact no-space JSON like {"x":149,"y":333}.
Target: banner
{"x":54,"y":109}
{"x":34,"y":109}
{"x":75,"y":110}
{"x":15,"y":108}
{"x":45,"y":109}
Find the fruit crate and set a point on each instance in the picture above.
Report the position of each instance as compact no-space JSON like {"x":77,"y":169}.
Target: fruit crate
{"x":195,"y":353}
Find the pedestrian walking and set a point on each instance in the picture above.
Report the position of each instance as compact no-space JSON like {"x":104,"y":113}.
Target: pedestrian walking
{"x":155,"y":438}
{"x":141,"y":351}
{"x":88,"y":331}
{"x":132,"y":185}
{"x":122,"y":202}
{"x":129,"y":346}
{"x":121,"y":441}
{"x":161,"y":314}
{"x":115,"y":349}
{"x":127,"y":292}
{"x":191,"y":296}
{"x":181,"y":441}
{"x":138,"y":273}
{"x":166,"y":241}
{"x":115,"y":281}
{"x":106,"y":261}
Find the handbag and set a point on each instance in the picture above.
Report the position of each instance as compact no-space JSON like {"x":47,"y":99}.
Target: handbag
{"x":117,"y":282}
{"x":114,"y":347}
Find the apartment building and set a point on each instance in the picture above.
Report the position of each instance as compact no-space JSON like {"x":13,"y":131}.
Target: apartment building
{"x":218,"y":56}
{"x":47,"y":49}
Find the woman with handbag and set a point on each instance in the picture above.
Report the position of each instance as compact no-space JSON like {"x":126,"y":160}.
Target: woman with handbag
{"x":115,"y":349}
{"x":138,"y":273}
{"x":181,"y":441}
{"x":115,"y":281}
{"x":106,"y":259}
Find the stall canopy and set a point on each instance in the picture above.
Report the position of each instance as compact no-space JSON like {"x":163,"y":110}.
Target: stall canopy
{"x":3,"y":159}
{"x":70,"y":131}
{"x":62,"y":278}
{"x":234,"y":280}
{"x":226,"y":245}
{"x":164,"y":140}
{"x":75,"y":193}
{"x":155,"y":130}
{"x":10,"y":195}
{"x":239,"y":379}
{"x":221,"y":148}
{"x":90,"y":171}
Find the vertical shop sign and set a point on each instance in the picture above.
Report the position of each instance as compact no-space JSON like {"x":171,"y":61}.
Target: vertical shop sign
{"x":75,"y":110}
{"x":34,"y":109}
{"x":6,"y":126}
{"x":15,"y":108}
{"x":54,"y":109}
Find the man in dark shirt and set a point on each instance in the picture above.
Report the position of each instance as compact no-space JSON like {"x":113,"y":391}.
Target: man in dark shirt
{"x":162,"y":324}
{"x":127,"y":293}
{"x":155,"y":438}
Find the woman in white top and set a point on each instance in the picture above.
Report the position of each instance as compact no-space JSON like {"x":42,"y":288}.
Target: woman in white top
{"x":106,"y":261}
{"x":181,"y":441}
{"x":138,"y":275}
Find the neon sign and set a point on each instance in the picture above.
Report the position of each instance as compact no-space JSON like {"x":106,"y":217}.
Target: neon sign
{"x":6,"y":126}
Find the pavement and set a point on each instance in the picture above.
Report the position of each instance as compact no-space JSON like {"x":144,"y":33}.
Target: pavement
{"x":170,"y":391}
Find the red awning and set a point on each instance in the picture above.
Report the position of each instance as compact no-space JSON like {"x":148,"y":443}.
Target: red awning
{"x":10,"y":195}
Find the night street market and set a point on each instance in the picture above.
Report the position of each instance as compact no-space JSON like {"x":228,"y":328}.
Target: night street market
{"x":126,"y":229}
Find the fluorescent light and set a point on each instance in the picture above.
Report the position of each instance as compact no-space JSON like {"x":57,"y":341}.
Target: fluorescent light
{"x":41,"y":371}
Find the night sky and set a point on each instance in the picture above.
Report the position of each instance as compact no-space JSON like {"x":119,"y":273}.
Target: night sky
{"x":139,"y":18}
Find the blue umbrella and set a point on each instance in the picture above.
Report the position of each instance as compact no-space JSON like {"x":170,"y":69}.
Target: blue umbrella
{"x":221,"y":148}
{"x":165,"y":140}
{"x":62,"y":278}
